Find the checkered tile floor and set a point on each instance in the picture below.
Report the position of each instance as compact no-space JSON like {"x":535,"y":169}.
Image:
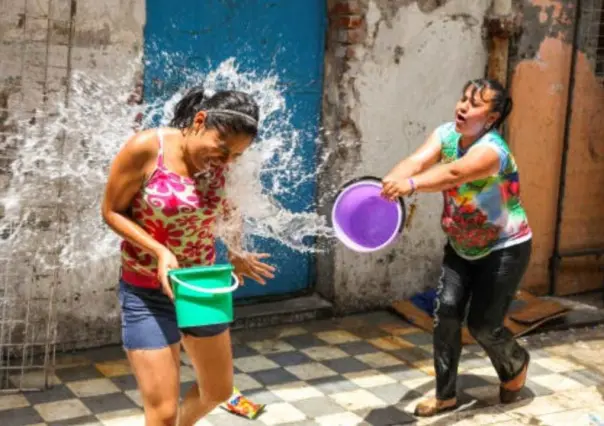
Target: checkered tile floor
{"x":368,"y":369}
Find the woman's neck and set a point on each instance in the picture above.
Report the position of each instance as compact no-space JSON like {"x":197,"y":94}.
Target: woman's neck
{"x":193,"y":170}
{"x":466,"y":141}
{"x":185,"y":156}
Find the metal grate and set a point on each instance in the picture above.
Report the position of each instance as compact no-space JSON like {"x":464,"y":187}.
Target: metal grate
{"x":28,"y":323}
{"x":592,"y":33}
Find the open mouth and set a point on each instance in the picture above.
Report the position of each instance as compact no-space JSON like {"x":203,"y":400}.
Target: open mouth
{"x":459,"y":118}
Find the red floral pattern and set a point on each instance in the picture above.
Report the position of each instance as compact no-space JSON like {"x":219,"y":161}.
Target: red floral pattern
{"x":193,"y":249}
{"x":467,"y":226}
{"x":167,"y":234}
{"x":180,"y":213}
{"x":509,"y":190}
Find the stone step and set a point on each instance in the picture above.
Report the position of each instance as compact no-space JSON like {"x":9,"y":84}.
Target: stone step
{"x":288,"y":311}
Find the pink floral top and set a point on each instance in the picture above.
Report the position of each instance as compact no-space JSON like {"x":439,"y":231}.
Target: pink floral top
{"x":180,"y":213}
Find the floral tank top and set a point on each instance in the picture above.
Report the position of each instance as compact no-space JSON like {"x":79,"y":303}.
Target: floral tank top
{"x":180,"y":213}
{"x":487,"y":214}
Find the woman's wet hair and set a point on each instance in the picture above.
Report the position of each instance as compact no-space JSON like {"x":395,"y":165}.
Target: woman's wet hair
{"x":501,"y":101}
{"x":228,"y":111}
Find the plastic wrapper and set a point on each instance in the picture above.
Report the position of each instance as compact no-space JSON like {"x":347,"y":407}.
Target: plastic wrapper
{"x":240,"y":405}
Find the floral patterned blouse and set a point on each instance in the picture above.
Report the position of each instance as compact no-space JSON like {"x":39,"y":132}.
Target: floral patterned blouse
{"x":180,"y":213}
{"x":486,"y":214}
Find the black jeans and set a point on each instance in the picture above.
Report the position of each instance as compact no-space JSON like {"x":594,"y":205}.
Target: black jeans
{"x":488,"y":285}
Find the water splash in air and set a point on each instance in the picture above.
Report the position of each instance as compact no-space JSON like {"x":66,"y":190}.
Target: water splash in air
{"x":51,"y":209}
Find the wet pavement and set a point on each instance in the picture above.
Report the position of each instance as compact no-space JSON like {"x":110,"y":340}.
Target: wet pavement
{"x":366,"y":369}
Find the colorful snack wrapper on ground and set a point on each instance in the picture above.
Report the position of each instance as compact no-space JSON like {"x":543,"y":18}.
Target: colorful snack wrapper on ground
{"x":240,"y":405}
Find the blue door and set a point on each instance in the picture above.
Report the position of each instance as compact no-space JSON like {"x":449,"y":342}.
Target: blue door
{"x":285,"y":37}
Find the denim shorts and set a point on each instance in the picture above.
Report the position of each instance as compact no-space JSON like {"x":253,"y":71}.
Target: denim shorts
{"x":149,"y":320}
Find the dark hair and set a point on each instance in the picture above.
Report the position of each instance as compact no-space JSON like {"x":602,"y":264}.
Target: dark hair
{"x":501,"y":102}
{"x":242,"y":119}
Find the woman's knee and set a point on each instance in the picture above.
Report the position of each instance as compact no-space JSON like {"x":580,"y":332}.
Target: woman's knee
{"x":162,"y":411}
{"x":451,"y":301}
{"x":449,"y":308}
{"x":217,"y":393}
{"x":156,"y":374}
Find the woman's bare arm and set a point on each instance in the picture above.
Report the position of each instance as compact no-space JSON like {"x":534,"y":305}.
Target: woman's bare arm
{"x":480,"y":162}
{"x":126,"y":176}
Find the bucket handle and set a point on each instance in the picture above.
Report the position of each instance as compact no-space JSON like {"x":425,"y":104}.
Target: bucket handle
{"x":222,"y":290}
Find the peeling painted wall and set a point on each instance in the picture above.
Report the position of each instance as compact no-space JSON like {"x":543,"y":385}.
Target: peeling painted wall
{"x":107,"y":40}
{"x":539,"y":83}
{"x":394,"y":70}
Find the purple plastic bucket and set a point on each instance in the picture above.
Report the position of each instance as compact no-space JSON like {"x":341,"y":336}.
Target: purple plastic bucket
{"x":362,"y":219}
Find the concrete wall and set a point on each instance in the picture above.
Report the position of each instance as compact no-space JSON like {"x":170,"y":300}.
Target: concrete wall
{"x":42,"y":46}
{"x":394,"y":70}
{"x":540,"y":65}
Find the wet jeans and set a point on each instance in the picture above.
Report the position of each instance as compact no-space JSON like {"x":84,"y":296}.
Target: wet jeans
{"x":484,"y":289}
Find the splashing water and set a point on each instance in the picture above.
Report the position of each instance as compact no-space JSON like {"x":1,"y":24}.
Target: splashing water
{"x":52,"y":205}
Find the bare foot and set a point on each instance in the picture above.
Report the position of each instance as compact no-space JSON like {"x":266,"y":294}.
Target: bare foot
{"x":432,"y":406}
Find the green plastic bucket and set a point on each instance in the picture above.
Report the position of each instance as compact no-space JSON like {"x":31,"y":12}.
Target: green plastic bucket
{"x":203,"y":295}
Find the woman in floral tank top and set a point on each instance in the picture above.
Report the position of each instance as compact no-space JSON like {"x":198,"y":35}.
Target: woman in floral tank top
{"x":489,"y":239}
{"x":164,"y":194}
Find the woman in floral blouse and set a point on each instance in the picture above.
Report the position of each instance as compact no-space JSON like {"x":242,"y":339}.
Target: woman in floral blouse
{"x":164,"y":195}
{"x":489,"y":239}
